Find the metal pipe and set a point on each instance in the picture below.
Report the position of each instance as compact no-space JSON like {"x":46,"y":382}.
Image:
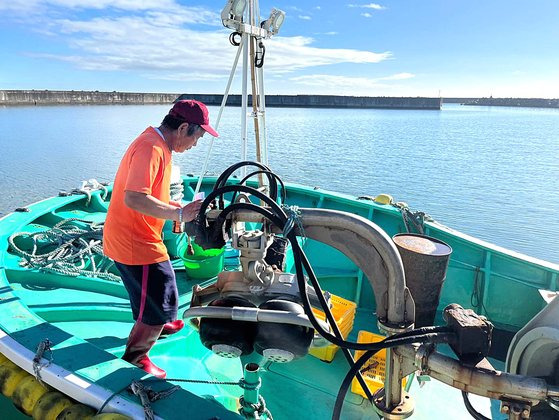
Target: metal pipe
{"x":251,"y":314}
{"x":487,"y":383}
{"x":262,"y":115}
{"x":252,"y":384}
{"x":244,"y":102}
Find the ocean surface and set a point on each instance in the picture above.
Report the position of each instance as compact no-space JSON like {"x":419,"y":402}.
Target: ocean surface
{"x":490,"y":172}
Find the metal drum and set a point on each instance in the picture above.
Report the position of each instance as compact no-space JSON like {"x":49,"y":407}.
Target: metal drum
{"x":425,"y":262}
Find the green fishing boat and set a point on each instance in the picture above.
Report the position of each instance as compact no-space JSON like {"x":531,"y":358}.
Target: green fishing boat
{"x":298,"y":303}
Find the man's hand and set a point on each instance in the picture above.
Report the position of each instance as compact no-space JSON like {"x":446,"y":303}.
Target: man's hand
{"x":175,"y":203}
{"x":190,"y":211}
{"x":151,"y":206}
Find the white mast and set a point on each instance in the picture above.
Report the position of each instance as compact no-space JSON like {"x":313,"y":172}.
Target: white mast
{"x":234,"y":15}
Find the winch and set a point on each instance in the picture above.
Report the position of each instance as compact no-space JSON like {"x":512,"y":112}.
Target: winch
{"x":260,"y":291}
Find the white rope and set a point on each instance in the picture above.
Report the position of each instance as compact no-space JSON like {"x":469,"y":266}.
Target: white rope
{"x":67,"y":249}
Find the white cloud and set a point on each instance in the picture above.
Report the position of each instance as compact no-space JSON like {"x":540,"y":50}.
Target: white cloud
{"x":161,"y":45}
{"x":398,"y":76}
{"x":304,"y":17}
{"x":31,"y":5}
{"x":367,"y":15}
{"x":294,"y":53}
{"x":374,"y":6}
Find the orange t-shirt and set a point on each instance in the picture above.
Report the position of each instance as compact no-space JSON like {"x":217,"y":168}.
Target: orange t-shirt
{"x":129,"y":236}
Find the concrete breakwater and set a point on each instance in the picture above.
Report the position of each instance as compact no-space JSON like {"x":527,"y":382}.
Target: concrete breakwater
{"x":327,"y":101}
{"x":520,"y":102}
{"x":54,"y":97}
{"x":77,"y":97}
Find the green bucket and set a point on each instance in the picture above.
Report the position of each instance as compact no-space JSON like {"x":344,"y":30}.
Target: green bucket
{"x":204,"y":264}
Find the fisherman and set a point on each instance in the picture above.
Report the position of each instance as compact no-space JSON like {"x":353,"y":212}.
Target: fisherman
{"x":139,"y":206}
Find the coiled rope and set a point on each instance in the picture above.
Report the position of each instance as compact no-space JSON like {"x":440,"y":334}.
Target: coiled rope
{"x":177,"y":191}
{"x":293,"y":218}
{"x":248,"y":410}
{"x":413,"y":219}
{"x":67,"y":249}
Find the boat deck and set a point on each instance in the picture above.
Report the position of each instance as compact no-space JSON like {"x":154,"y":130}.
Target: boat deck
{"x":104,"y":320}
{"x":88,"y":319}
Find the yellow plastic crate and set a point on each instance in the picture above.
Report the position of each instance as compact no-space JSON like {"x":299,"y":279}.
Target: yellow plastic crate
{"x":375,"y":366}
{"x":344,"y":314}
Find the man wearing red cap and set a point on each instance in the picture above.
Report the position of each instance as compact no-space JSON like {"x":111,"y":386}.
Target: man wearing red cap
{"x":140,"y":204}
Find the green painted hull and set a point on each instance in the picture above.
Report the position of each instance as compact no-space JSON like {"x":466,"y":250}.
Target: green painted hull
{"x":88,"y":320}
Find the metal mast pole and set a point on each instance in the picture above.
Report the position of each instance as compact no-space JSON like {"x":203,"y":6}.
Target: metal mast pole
{"x":255,"y":95}
{"x":245,"y":41}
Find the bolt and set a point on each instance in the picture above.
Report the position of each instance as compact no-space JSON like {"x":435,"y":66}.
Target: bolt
{"x":505,"y":409}
{"x":526,"y":413}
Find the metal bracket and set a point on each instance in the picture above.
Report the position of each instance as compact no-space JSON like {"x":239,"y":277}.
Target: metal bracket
{"x":401,"y":411}
{"x":516,"y":409}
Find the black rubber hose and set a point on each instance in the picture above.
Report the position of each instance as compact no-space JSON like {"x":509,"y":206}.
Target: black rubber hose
{"x":398,"y":340}
{"x":238,"y":188}
{"x":269,"y":174}
{"x":272,"y":179}
{"x":471,"y":409}
{"x":222,"y":179}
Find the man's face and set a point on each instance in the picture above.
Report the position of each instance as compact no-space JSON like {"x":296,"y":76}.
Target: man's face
{"x":184,"y":141}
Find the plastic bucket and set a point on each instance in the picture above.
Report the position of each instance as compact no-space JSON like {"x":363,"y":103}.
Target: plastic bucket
{"x":204,"y":264}
{"x":425,"y":262}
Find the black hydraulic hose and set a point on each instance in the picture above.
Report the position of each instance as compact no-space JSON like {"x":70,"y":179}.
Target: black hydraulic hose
{"x":471,"y":409}
{"x":222,"y":179}
{"x":268,"y":174}
{"x":397,"y":340}
{"x":272,"y":179}
{"x":238,"y":188}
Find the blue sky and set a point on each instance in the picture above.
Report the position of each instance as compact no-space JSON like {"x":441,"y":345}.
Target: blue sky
{"x":471,"y":48}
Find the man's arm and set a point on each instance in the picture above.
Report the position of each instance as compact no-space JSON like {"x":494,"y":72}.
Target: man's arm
{"x":151,"y":206}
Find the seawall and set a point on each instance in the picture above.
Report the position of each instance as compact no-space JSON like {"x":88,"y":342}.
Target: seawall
{"x":77,"y":97}
{"x":519,"y":102}
{"x":57,"y":97}
{"x":327,"y":101}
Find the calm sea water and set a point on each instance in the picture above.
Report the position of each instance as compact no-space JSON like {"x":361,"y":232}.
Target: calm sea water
{"x":490,"y":172}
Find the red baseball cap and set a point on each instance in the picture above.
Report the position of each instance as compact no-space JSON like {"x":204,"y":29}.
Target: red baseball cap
{"x":194,"y":112}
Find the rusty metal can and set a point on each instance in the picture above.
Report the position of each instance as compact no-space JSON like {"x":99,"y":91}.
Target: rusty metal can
{"x":177,"y":227}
